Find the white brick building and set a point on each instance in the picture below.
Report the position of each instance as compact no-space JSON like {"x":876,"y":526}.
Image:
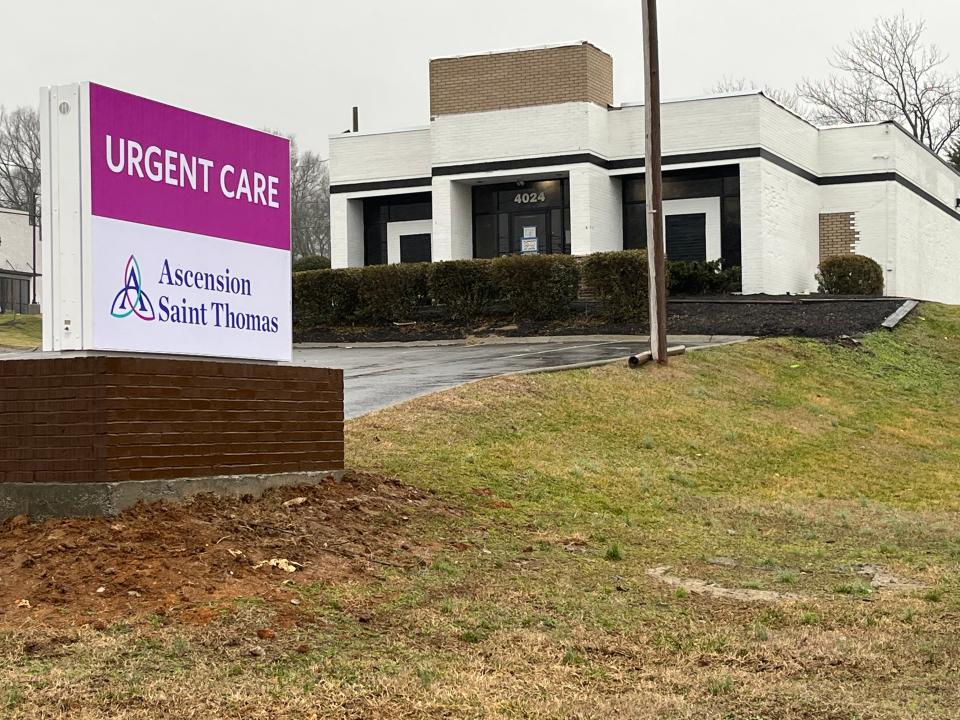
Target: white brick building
{"x":553,"y":166}
{"x":17,"y":262}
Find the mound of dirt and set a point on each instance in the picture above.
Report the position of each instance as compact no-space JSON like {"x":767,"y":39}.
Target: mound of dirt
{"x":176,"y":558}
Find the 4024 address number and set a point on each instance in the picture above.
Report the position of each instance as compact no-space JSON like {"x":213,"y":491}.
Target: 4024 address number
{"x":529,"y":198}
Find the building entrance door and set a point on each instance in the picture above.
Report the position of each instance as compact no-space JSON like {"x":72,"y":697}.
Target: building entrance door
{"x":528,"y":235}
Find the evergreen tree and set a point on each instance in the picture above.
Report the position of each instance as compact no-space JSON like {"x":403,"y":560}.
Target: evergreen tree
{"x":954,"y":154}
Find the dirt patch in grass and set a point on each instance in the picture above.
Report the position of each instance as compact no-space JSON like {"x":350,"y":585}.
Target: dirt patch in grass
{"x":882,"y":579}
{"x":184,"y":558}
{"x":765,"y":317}
{"x":702,"y":587}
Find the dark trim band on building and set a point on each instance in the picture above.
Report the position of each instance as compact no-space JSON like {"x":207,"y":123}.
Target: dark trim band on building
{"x":418,"y":182}
{"x":520,"y":163}
{"x":924,"y":195}
{"x":631,"y":163}
{"x":578,"y":158}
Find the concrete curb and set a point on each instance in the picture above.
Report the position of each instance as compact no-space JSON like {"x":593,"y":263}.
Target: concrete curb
{"x":526,"y":340}
{"x":598,"y":363}
{"x":901,"y":313}
{"x":559,"y":368}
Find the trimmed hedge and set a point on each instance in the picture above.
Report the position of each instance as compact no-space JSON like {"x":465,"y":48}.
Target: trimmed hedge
{"x":620,"y":283}
{"x":375,"y":294}
{"x":326,"y":297}
{"x":687,"y":277}
{"x":537,"y":287}
{"x":464,"y":287}
{"x":391,"y":293}
{"x":310,"y":262}
{"x":850,"y":275}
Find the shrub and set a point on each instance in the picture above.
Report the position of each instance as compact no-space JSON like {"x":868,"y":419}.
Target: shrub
{"x":850,"y":275}
{"x":311,"y":262}
{"x":464,"y":287}
{"x":325,"y":297}
{"x":688,"y":277}
{"x":619,"y":281}
{"x":391,"y":293}
{"x":537,"y":287}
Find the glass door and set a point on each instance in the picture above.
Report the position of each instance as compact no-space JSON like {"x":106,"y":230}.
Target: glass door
{"x":529,"y":235}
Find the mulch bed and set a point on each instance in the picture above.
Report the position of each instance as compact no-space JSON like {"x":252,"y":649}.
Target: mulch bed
{"x":187,"y":558}
{"x":764,"y":316}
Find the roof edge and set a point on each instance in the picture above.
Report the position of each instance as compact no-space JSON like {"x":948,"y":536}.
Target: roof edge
{"x":526,"y":48}
{"x":367,"y":133}
{"x":876,"y":123}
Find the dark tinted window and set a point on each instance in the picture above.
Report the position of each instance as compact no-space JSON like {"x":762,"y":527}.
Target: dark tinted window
{"x":485,"y":236}
{"x":676,"y":188}
{"x":415,"y":248}
{"x":14,"y":294}
{"x":534,"y":195}
{"x":413,"y":211}
{"x":686,"y":234}
{"x":375,"y":244}
{"x":495,"y":208}
{"x":503,"y":233}
{"x":680,"y":189}
{"x":635,"y":226}
{"x":686,"y":237}
{"x":378,"y":211}
{"x":484,"y":200}
{"x":730,"y":229}
{"x":722,"y":182}
{"x":634,"y":190}
{"x":557,"y":234}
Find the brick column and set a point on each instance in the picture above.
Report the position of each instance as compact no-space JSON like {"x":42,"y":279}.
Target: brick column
{"x":838,"y":234}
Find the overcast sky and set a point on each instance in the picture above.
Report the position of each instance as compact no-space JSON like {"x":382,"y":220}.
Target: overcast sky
{"x":299,"y":65}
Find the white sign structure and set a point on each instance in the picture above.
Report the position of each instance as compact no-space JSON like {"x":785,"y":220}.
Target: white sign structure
{"x":169,"y":230}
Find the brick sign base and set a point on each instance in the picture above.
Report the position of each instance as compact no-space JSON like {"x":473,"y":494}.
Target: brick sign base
{"x":92,"y":435}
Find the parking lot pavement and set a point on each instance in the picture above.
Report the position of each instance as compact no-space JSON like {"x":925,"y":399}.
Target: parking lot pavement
{"x":376,"y":376}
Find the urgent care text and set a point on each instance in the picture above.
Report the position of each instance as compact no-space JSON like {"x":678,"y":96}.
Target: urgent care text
{"x":180,"y":170}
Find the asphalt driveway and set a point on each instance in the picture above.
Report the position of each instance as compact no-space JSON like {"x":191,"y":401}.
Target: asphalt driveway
{"x":376,"y":375}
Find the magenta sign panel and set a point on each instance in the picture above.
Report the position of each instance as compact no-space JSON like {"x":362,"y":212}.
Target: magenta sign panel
{"x":190,"y":221}
{"x":160,"y":165}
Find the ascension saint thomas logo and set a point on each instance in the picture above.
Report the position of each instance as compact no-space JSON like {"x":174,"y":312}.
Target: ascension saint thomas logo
{"x":132,"y":300}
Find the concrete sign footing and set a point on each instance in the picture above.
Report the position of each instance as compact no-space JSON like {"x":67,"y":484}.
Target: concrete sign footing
{"x":44,"y":500}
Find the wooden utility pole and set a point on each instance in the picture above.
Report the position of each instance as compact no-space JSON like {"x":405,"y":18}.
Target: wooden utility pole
{"x":654,"y":184}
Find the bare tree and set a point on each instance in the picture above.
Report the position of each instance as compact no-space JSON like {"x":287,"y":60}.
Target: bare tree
{"x":20,"y":159}
{"x":310,"y":203}
{"x":889,"y":72}
{"x":788,"y":98}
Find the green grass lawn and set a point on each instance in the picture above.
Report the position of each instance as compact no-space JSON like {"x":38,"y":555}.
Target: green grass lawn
{"x":19,"y":331}
{"x":777,"y":465}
